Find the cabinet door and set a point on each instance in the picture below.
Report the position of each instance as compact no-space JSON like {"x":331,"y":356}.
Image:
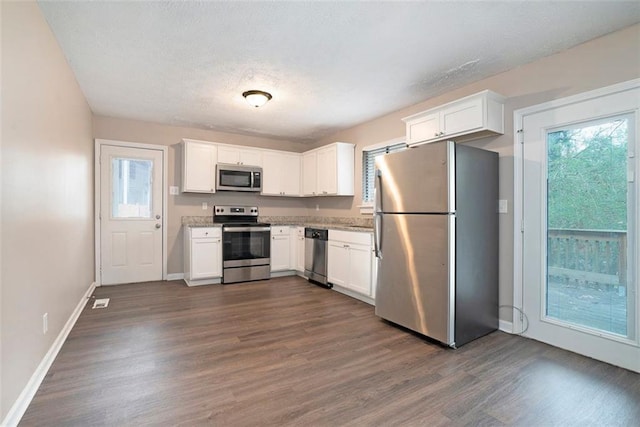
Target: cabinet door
{"x":206,"y":258}
{"x":251,"y":157}
{"x":309,"y":173}
{"x":424,"y":129}
{"x":280,"y":253}
{"x":300,"y":252}
{"x":338,"y":263}
{"x":327,"y":171}
{"x":199,"y":167}
{"x":290,"y":174}
{"x":228,"y":155}
{"x":293,"y":250}
{"x":360,"y":269}
{"x":463,"y":117}
{"x":272,"y":170}
{"x":239,"y":156}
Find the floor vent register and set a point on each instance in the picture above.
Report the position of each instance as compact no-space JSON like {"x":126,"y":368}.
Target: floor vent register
{"x":101,"y":303}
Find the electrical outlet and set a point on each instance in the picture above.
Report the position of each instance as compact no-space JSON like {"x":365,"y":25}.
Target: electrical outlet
{"x":317,"y":207}
{"x":205,"y":206}
{"x":45,"y":323}
{"x":502,"y":206}
{"x":173,"y":190}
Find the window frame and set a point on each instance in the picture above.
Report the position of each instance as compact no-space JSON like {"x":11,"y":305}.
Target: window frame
{"x":366,"y":208}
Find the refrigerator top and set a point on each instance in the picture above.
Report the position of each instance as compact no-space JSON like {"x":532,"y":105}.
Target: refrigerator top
{"x":417,"y":180}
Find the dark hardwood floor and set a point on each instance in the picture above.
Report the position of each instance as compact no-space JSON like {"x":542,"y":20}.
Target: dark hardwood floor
{"x":284,"y":352}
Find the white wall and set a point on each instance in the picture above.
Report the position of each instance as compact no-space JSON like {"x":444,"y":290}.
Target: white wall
{"x":47,"y":194}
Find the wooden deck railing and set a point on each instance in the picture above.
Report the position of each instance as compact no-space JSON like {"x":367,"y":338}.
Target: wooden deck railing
{"x":588,"y":256}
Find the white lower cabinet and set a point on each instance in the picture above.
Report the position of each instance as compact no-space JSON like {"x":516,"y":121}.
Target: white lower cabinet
{"x":202,"y":255}
{"x":299,"y":248}
{"x":280,"y":248}
{"x":350,"y":262}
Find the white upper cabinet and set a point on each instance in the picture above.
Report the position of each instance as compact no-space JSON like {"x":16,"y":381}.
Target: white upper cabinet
{"x":198,"y":167}
{"x":329,"y":170}
{"x":309,"y":173}
{"x":324,"y":171}
{"x":472,"y":117}
{"x":281,"y":173}
{"x":239,"y":156}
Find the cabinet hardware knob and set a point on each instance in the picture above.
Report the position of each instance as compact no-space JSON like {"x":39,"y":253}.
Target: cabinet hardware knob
{"x":158,"y":225}
{"x":157,"y":216}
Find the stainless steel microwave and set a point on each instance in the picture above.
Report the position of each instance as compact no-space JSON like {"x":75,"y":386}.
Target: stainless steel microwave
{"x":238,"y":178}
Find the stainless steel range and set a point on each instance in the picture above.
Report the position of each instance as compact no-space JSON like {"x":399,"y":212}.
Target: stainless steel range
{"x":246,"y":244}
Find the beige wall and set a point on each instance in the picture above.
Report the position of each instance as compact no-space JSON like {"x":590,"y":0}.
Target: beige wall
{"x":188,"y":204}
{"x":47,"y":194}
{"x":601,"y":62}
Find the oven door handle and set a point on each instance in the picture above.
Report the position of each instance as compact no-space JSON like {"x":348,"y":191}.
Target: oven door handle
{"x":245,"y":229}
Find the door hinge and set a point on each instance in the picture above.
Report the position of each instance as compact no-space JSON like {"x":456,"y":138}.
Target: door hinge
{"x":520,"y":133}
{"x":522,"y":226}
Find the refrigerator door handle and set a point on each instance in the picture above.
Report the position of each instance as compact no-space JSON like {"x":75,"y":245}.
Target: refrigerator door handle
{"x":377,"y":235}
{"x":377,"y":216}
{"x":377,"y":193}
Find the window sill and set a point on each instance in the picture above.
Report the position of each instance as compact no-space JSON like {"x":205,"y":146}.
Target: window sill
{"x":366,"y":209}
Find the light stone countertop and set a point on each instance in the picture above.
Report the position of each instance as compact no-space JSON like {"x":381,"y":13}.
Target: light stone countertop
{"x":333,"y":223}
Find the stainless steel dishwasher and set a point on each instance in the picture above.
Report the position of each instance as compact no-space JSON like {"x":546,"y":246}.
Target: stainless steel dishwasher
{"x":315,"y":255}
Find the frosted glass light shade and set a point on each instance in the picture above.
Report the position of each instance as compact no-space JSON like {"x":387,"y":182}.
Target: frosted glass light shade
{"x":257,"y":98}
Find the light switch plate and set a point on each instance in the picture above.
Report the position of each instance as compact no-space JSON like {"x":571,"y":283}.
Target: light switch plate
{"x":502,"y":206}
{"x":173,"y":190}
{"x":205,"y":206}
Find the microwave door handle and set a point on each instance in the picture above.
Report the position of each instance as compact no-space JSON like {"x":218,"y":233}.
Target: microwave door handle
{"x":252,"y":179}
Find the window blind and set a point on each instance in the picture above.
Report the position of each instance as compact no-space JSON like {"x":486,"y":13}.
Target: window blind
{"x":368,"y":167}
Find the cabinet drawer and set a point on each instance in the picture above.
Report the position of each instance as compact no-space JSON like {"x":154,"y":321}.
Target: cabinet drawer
{"x":280,"y":230}
{"x":204,"y":232}
{"x":355,"y":237}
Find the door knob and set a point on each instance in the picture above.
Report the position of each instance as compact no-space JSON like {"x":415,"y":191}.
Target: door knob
{"x":158,"y":225}
{"x":157,"y":216}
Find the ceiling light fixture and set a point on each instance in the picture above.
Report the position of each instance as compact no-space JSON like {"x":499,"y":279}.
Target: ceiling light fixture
{"x":257,"y":98}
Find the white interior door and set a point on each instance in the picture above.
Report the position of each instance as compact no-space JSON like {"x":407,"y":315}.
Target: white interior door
{"x":580,"y":222}
{"x":131,"y":207}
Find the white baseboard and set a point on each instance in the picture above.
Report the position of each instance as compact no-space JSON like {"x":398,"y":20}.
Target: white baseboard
{"x":22,"y":403}
{"x":175,"y":276}
{"x":283,"y":273}
{"x":505,"y":326}
{"x":356,"y":295}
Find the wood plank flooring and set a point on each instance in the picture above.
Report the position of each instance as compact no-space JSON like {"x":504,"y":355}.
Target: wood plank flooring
{"x":284,"y":352}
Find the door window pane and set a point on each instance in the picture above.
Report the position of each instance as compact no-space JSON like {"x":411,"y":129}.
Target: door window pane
{"x":587,"y":211}
{"x":131,"y":188}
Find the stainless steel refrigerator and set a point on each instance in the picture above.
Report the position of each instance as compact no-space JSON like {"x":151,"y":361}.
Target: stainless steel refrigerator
{"x":436,"y":241}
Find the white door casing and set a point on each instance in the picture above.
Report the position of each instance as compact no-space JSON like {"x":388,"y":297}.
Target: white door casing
{"x":530,"y":261}
{"x":130,"y":237}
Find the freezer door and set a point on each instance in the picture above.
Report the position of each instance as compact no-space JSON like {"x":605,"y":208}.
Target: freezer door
{"x":417,"y":179}
{"x":416,"y":284}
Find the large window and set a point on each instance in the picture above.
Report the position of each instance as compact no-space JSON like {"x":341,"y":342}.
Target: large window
{"x":368,"y":165}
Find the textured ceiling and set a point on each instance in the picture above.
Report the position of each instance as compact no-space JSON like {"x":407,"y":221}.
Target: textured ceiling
{"x":329,"y":65}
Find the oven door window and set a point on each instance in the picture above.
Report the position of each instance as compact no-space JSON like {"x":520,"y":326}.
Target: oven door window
{"x":246,"y":245}
{"x":240,"y":179}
